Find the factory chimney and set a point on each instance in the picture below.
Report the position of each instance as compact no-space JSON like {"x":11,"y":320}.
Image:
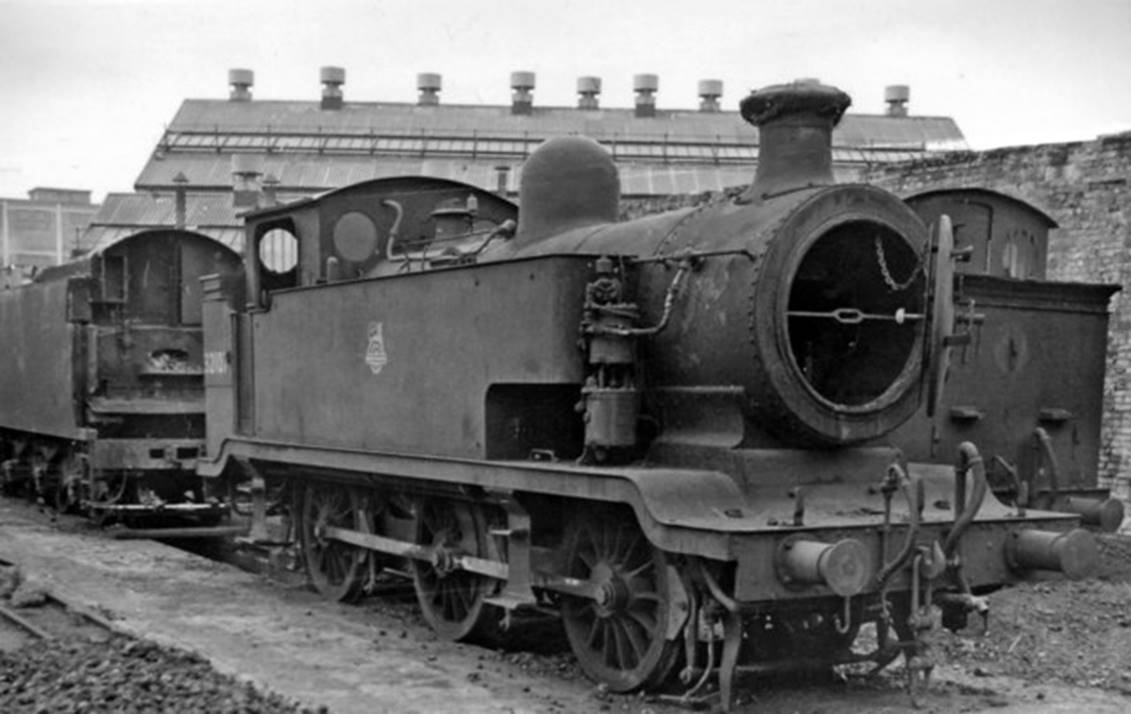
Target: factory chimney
{"x":180,"y":201}
{"x":246,"y":170}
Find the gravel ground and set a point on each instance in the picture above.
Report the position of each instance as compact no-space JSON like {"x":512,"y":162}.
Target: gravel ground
{"x":116,"y":673}
{"x":1073,"y":632}
{"x":1053,"y":647}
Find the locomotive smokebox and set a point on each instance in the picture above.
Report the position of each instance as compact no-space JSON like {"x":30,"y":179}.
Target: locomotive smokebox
{"x":803,"y":318}
{"x":795,"y":124}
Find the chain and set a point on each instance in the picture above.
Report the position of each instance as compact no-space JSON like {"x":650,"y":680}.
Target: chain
{"x":894,"y":285}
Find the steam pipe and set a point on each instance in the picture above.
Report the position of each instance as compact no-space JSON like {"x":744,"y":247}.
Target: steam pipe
{"x":392,"y":257}
{"x":1044,"y":447}
{"x":968,"y":459}
{"x":912,"y":487}
{"x":729,"y":603}
{"x":669,"y":302}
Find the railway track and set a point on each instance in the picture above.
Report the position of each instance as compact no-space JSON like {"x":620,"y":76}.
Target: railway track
{"x":376,"y":656}
{"x":47,"y":616}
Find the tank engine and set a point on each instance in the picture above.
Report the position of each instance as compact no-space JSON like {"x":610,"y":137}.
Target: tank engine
{"x":103,"y":394}
{"x":1029,"y":388}
{"x":669,"y":431}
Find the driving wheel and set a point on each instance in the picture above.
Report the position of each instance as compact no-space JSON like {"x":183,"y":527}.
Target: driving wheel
{"x":334,"y":567}
{"x":618,"y":636}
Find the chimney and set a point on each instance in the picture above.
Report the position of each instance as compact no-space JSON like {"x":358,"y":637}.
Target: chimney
{"x":645,"y":86}
{"x":270,"y":191}
{"x":522,"y":101}
{"x":332,"y":80}
{"x":795,"y":128}
{"x":709,"y":92}
{"x":587,"y":89}
{"x":502,"y":179}
{"x":897,"y":96}
{"x":180,"y":201}
{"x":246,"y":170}
{"x":429,"y":85}
{"x":241,"y":81}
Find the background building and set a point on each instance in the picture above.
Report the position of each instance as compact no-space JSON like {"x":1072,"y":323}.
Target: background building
{"x":227,"y":155}
{"x":46,"y":228}
{"x":1085,"y":187}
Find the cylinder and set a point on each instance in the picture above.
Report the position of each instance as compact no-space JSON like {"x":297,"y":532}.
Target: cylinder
{"x":1073,"y":553}
{"x":522,"y":80}
{"x":610,"y":416}
{"x":607,"y":348}
{"x":646,"y":82}
{"x":844,"y":567}
{"x":1103,"y":513}
{"x":332,"y":75}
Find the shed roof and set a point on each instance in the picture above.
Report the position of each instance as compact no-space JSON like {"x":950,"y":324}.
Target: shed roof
{"x":310,"y":149}
{"x":126,"y":214}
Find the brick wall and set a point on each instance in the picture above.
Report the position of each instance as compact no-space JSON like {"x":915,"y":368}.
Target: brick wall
{"x":1084,"y":187}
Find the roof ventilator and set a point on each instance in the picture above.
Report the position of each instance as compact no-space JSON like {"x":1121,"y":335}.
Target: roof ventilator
{"x":645,"y":86}
{"x":709,"y":92}
{"x":897,"y":96}
{"x":241,"y":81}
{"x":332,"y":80}
{"x":588,"y":88}
{"x":429,"y":85}
{"x":522,"y":101}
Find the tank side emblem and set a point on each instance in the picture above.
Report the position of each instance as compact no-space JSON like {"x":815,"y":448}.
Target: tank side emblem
{"x":375,"y":355}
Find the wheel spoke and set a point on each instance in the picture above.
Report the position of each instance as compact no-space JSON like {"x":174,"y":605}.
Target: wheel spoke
{"x":633,"y":547}
{"x":614,"y":548}
{"x":594,"y":630}
{"x":628,"y":658}
{"x":589,"y":558}
{"x":452,"y":601}
{"x":619,"y":637}
{"x":607,"y":646}
{"x":648,"y":597}
{"x":635,"y":573}
{"x":333,"y":567}
{"x":647,"y":624}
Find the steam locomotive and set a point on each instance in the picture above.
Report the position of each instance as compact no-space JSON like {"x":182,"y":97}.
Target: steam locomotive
{"x":1029,"y":388}
{"x":673,"y":432}
{"x":101,"y":389}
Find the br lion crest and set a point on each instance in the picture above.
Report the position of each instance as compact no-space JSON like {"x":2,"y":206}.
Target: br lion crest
{"x":375,"y":355}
